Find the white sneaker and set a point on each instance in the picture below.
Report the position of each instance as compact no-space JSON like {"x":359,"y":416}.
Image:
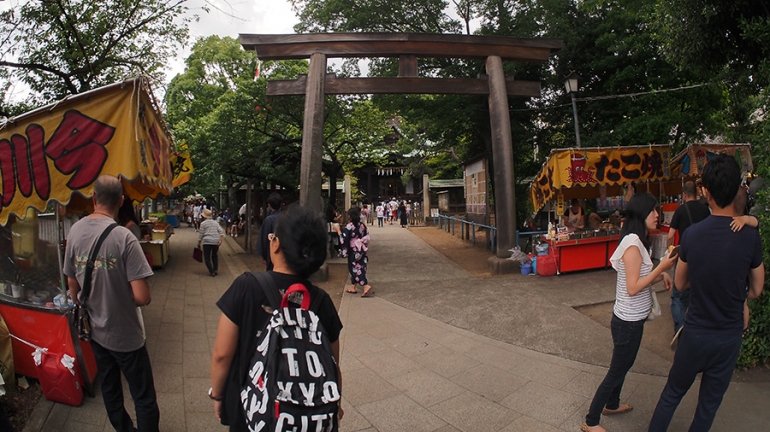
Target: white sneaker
{"x":236,"y":235}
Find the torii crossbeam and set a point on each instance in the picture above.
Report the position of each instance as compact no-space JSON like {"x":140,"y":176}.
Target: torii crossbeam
{"x":408,"y":47}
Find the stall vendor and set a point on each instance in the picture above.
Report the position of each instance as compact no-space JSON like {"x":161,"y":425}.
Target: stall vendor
{"x":575,"y":216}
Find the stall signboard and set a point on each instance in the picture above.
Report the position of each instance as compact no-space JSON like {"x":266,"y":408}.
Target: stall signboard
{"x":182,"y":166}
{"x":694,"y":158}
{"x":58,"y":151}
{"x":595,"y":167}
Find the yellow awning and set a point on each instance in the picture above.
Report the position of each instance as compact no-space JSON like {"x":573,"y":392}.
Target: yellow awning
{"x":57,"y":152}
{"x":609,"y":166}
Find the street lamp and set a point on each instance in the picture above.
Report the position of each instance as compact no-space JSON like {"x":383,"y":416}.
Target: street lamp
{"x":571,"y":83}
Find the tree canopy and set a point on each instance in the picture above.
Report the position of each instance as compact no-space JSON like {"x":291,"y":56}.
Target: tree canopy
{"x":58,"y":47}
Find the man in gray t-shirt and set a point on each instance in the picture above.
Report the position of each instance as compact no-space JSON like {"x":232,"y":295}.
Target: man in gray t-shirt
{"x":118,"y":286}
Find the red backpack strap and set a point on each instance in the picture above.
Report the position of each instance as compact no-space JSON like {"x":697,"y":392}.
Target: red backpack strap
{"x":297,"y":287}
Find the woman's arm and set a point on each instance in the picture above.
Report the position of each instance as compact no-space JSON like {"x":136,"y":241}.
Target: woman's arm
{"x":225,"y":346}
{"x":632,"y":260}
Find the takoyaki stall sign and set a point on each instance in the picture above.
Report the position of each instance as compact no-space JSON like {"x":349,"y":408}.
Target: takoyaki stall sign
{"x":598,"y":166}
{"x":56,"y":151}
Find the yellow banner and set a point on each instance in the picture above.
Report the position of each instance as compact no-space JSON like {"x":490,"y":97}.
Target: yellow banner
{"x":182,"y":167}
{"x":51,"y":153}
{"x":600,"y":166}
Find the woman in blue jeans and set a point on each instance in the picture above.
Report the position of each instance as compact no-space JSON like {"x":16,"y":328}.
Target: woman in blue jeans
{"x":633,"y":301}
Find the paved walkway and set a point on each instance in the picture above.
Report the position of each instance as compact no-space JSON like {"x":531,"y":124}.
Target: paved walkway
{"x":436,"y":350}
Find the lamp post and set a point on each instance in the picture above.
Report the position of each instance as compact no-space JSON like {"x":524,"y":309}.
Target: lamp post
{"x":571,"y":83}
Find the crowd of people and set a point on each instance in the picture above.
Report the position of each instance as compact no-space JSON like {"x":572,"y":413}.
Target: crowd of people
{"x":710,"y":321}
{"x":709,"y":292}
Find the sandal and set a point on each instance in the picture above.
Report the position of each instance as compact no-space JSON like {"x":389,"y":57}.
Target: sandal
{"x":368,"y":293}
{"x":622,"y":408}
{"x":586,"y":428}
{"x":352,"y":291}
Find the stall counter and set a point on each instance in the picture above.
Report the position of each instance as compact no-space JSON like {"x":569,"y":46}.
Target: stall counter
{"x":583,"y":254}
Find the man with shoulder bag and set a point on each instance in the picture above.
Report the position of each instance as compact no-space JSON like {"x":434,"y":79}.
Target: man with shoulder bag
{"x":112,"y":271}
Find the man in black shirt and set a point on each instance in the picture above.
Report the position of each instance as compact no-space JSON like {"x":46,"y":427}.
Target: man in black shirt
{"x":690,"y":213}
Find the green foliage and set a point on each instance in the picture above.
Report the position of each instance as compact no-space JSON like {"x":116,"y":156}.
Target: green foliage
{"x":66,"y":47}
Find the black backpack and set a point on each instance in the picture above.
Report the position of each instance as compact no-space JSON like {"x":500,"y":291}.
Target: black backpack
{"x":292,"y":382}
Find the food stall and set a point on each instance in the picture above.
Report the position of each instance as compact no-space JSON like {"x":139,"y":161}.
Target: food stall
{"x":601,"y":174}
{"x":49,"y":160}
{"x":688,"y":165}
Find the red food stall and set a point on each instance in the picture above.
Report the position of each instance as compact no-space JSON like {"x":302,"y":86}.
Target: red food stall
{"x":596,"y":173}
{"x":49,"y":160}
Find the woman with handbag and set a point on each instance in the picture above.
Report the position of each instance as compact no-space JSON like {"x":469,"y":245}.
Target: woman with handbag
{"x":211,"y":236}
{"x":633,"y":304}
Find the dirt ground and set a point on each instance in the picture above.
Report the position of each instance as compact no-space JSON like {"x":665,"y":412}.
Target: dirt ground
{"x":19,"y":404}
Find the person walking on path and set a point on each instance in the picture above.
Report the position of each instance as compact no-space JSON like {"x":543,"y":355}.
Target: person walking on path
{"x":274,"y":202}
{"x":119,"y":285}
{"x":403,"y":215}
{"x":197,"y":212}
{"x":210,"y":237}
{"x":691,"y":212}
{"x":297,"y":249}
{"x":354,"y":239}
{"x":633,"y":302}
{"x":714,"y":263}
{"x":380,"y":214}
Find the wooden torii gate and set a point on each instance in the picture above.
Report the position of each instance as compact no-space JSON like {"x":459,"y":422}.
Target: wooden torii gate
{"x":318,"y":47}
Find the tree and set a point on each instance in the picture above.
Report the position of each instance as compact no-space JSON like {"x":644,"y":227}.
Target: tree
{"x":59,"y":47}
{"x":236,"y":131}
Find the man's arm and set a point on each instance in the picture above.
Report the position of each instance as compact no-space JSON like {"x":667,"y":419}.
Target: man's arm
{"x":681,"y":280}
{"x":756,"y":281}
{"x":671,"y":236}
{"x":141,"y":290}
{"x":74,"y":288}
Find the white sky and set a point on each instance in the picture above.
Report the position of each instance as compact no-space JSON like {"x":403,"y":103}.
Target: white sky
{"x":232,"y":17}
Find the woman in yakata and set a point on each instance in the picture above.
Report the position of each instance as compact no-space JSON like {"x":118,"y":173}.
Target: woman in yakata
{"x":633,"y":302}
{"x":354,"y":239}
{"x":297,"y":250}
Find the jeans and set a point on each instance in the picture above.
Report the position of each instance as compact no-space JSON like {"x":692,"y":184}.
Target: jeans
{"x":211,"y":257}
{"x":379,"y":221}
{"x":714,"y":354}
{"x":626,"y":339}
{"x":135,"y":366}
{"x":680,"y":301}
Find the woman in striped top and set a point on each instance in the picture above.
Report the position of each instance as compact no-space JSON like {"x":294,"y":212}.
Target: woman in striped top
{"x":633,"y":301}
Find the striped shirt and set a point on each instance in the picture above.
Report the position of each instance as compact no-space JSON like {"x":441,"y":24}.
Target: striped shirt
{"x":630,"y":308}
{"x":210,"y":232}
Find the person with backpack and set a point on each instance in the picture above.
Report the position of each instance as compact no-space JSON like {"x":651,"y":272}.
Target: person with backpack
{"x":297,"y":250}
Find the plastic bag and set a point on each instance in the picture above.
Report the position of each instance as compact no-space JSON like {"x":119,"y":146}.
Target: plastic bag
{"x":518,"y":255}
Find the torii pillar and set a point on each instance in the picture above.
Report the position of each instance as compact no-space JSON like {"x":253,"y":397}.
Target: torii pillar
{"x":502,"y":152}
{"x":312,"y":135}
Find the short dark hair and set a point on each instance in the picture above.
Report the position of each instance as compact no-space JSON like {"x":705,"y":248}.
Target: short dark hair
{"x":127,"y":212}
{"x":303,"y":238}
{"x":274,"y":201}
{"x":354,"y":214}
{"x":639,"y":207}
{"x":108,"y":190}
{"x":722,"y":177}
{"x":688,"y":189}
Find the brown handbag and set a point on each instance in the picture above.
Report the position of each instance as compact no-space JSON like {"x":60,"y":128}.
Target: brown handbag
{"x":198,"y":254}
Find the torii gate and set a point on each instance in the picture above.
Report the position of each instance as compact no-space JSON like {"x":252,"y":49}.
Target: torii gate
{"x":318,"y":47}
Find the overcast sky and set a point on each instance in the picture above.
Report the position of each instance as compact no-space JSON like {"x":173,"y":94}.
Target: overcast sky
{"x":232,"y":17}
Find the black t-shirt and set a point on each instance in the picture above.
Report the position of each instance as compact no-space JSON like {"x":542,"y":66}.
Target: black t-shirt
{"x":718,"y":263}
{"x":242,"y":304}
{"x":681,"y":220}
